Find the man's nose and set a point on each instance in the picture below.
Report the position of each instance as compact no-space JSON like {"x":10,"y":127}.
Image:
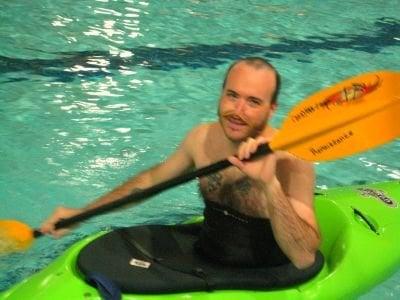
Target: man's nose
{"x":239,"y":105}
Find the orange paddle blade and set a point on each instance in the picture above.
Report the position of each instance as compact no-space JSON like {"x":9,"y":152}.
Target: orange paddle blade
{"x":14,"y":236}
{"x":353,"y":116}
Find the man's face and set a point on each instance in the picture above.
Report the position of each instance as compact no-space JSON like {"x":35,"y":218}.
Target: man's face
{"x":245,"y":104}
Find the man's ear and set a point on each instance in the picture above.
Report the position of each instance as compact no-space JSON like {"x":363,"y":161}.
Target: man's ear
{"x":272,"y":110}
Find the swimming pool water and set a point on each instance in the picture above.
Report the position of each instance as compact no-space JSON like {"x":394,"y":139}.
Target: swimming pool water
{"x":95,"y":91}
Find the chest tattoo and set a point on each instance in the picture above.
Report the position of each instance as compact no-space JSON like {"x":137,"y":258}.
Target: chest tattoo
{"x":241,"y":194}
{"x":214,"y":182}
{"x":243,"y":187}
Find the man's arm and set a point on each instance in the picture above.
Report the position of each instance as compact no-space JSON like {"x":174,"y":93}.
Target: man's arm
{"x":178,"y":163}
{"x":288,"y":185}
{"x":290,"y":209}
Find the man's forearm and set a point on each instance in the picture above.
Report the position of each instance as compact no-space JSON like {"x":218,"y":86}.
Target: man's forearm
{"x":297,"y":239}
{"x":137,"y":183}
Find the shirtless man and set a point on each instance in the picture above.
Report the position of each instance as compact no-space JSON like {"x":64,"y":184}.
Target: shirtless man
{"x":277,"y":187}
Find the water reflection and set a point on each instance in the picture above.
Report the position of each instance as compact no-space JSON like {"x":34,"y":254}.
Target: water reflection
{"x":385,"y":34}
{"x":379,"y":167}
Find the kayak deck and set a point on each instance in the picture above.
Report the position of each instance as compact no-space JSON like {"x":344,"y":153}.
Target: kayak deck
{"x":359,"y":226}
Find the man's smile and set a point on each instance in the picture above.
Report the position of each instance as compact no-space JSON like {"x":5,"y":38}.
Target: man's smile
{"x":235,"y":123}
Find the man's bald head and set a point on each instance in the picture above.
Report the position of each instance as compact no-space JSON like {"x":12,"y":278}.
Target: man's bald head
{"x":258,"y":63}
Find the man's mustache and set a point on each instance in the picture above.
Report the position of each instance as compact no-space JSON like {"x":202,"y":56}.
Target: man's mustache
{"x":230,"y":114}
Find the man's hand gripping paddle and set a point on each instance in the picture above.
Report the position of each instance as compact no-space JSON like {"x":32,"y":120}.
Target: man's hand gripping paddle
{"x":355,"y":115}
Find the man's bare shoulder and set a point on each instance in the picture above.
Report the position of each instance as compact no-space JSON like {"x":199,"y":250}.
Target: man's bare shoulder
{"x":201,"y":139}
{"x":200,"y":131}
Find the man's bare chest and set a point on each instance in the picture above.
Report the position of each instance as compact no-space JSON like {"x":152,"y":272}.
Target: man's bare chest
{"x":231,"y":188}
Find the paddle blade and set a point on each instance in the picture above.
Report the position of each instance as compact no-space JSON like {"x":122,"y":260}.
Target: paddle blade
{"x":14,"y":236}
{"x":353,"y":116}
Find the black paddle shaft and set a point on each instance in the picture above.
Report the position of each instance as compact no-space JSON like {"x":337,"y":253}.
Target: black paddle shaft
{"x":156,"y":189}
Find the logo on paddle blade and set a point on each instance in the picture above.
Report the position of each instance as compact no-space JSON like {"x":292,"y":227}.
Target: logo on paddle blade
{"x":347,"y":95}
{"x":350,"y":94}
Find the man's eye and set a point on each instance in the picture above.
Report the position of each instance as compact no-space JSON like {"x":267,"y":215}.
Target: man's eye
{"x":254,"y":102}
{"x":232,"y":95}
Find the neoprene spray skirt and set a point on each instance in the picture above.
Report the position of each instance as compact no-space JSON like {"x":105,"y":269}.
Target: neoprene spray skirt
{"x":163,"y":259}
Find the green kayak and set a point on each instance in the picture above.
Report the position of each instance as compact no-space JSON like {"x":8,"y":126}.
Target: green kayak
{"x":360,"y":226}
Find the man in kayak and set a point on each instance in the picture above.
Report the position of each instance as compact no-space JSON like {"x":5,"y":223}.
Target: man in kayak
{"x":270,"y":197}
